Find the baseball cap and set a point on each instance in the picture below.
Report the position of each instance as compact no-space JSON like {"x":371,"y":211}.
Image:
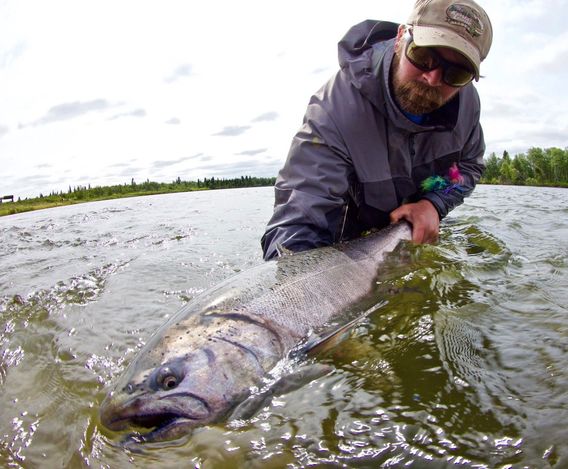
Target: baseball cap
{"x":461,"y":25}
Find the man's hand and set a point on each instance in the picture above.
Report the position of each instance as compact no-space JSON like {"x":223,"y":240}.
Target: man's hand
{"x":424,"y":220}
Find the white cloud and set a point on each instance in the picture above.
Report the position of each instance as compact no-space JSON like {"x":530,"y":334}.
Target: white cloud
{"x":72,"y":110}
{"x":182,"y":71}
{"x":547,"y":57}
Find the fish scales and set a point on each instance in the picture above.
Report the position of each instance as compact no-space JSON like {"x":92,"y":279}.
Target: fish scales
{"x":326,"y":288}
{"x":312,"y":303}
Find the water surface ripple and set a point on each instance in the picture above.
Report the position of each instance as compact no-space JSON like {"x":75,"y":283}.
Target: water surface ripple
{"x":465,"y":366}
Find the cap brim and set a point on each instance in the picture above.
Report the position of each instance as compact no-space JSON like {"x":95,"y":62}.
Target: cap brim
{"x":426,"y":36}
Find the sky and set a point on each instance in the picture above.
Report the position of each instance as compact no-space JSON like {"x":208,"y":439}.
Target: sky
{"x":103,"y":92}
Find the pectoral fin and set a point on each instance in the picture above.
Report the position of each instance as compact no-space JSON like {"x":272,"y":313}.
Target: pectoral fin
{"x":319,"y":344}
{"x":283,"y":251}
{"x":285,"y":384}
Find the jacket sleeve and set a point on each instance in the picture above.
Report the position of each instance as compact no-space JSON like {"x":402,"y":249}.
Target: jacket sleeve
{"x":311,"y":189}
{"x":471,"y":168}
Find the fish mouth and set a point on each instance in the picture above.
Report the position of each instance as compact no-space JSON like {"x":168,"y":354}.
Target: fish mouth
{"x":165,"y":429}
{"x":168,"y":417}
{"x":158,"y":420}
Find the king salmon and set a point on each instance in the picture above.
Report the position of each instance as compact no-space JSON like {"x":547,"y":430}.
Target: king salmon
{"x":203,"y":365}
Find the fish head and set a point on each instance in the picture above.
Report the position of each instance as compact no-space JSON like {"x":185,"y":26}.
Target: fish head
{"x":173,"y":387}
{"x":170,"y":398}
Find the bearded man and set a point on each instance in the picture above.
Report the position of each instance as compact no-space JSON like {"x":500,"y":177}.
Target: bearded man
{"x":394,"y":134}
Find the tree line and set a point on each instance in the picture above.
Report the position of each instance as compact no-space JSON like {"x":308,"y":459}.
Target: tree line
{"x":538,"y":167}
{"x":85,"y":193}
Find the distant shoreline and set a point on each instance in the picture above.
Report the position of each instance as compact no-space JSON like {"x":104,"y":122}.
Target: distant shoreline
{"x":82,"y":194}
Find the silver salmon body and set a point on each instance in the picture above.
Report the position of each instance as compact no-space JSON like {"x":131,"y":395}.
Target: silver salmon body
{"x":205,"y":360}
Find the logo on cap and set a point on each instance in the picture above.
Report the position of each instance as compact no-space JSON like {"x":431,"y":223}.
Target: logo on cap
{"x":466,"y":17}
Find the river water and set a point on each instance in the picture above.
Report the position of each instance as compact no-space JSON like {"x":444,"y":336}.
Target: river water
{"x":465,"y":366}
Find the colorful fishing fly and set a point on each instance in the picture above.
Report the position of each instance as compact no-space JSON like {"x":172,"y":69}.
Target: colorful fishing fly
{"x":452,"y":182}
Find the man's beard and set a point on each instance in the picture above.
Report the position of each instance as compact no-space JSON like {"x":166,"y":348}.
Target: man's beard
{"x":415,"y":97}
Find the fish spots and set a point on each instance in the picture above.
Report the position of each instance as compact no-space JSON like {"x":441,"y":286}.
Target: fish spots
{"x":247,"y":319}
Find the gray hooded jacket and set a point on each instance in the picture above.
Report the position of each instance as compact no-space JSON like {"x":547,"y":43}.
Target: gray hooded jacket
{"x":357,"y":157}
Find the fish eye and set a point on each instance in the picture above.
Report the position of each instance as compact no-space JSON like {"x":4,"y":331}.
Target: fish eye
{"x":169,"y":382}
{"x":167,"y":379}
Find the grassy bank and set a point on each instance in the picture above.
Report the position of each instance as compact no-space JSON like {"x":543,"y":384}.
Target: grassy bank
{"x":11,"y":208}
{"x":28,"y":205}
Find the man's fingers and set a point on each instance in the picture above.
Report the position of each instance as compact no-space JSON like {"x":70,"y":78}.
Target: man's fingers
{"x":417,"y":234}
{"x":395,"y":216}
{"x":424,"y":220}
{"x":400,"y":213}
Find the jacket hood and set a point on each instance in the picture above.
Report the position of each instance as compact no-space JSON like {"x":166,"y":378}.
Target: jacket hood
{"x":357,"y":57}
{"x":365,"y":54}
{"x":361,"y":37}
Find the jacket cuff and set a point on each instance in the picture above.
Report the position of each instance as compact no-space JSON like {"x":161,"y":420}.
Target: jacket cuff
{"x":438,"y":204}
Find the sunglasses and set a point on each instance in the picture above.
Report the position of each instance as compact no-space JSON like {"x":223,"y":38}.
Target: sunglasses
{"x":427,"y":59}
